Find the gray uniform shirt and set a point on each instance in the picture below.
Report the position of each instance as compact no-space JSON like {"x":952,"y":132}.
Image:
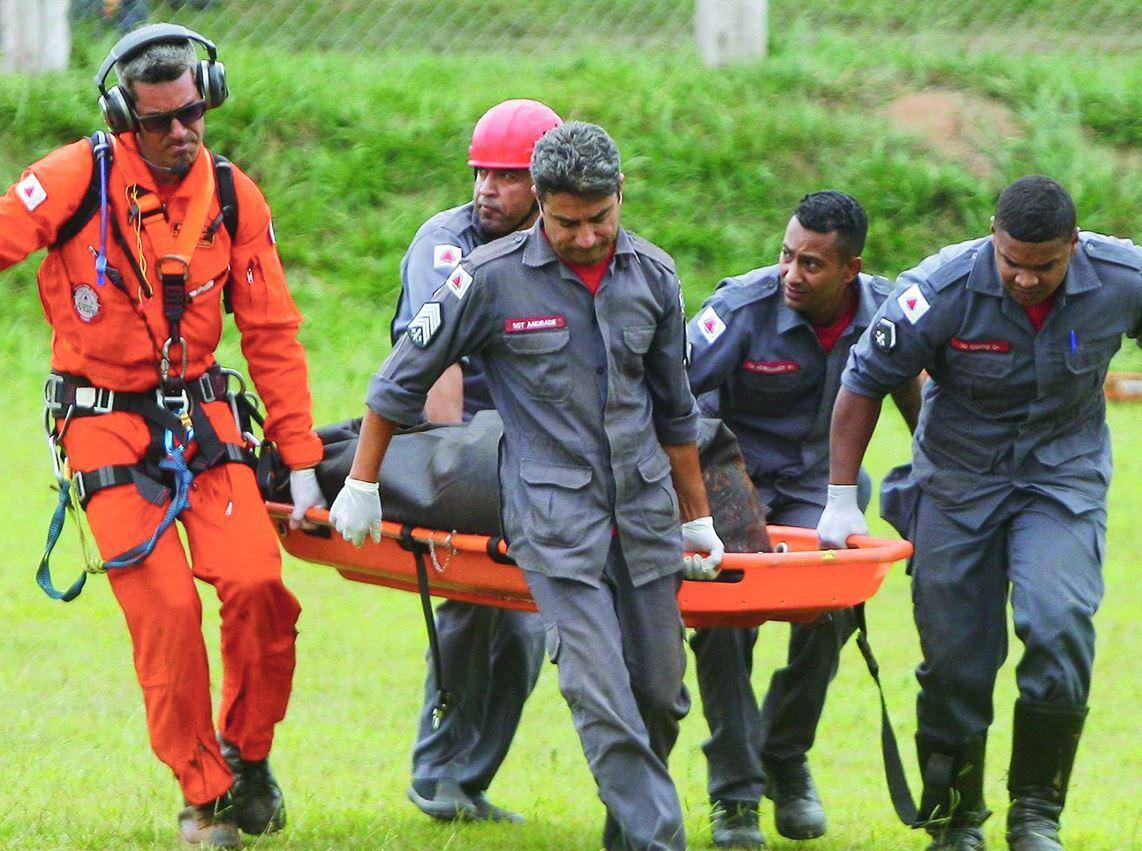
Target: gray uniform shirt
{"x":588,"y":388}
{"x":1007,"y":409}
{"x":770,"y":380}
{"x":440,"y":243}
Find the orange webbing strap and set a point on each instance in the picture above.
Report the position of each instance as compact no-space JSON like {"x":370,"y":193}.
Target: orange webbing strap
{"x":174,"y":255}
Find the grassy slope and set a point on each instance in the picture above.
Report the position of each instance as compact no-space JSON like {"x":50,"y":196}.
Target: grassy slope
{"x":352,"y":160}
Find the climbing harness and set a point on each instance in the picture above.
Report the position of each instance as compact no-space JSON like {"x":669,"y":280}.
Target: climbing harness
{"x":173,"y":412}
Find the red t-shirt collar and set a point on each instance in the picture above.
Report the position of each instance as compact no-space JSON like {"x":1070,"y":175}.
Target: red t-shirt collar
{"x":829,"y":334}
{"x":590,"y":276}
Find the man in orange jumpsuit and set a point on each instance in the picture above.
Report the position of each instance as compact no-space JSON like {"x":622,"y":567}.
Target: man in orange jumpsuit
{"x":136,"y":313}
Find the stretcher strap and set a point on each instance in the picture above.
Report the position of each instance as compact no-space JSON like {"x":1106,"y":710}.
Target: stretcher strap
{"x":898,"y":789}
{"x":443,"y":698}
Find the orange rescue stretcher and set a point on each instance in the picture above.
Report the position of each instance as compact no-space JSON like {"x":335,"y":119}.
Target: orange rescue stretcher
{"x":798,"y":582}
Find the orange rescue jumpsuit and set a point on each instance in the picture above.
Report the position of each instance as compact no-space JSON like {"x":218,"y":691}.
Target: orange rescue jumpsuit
{"x":98,"y":334}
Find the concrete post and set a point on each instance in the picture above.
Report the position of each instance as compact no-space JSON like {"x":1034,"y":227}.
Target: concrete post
{"x":731,"y":30}
{"x":35,"y":36}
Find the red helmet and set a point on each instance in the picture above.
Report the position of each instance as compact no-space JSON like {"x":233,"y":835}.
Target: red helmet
{"x":506,"y":134}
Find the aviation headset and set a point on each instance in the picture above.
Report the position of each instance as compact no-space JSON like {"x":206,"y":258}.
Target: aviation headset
{"x":116,"y":103}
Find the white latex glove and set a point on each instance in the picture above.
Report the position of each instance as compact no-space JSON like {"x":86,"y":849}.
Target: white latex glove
{"x":698,"y":536}
{"x":305,"y":494}
{"x":357,"y":510}
{"x":841,"y":518}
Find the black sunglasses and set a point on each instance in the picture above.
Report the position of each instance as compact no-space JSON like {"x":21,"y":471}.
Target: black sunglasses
{"x":160,"y":122}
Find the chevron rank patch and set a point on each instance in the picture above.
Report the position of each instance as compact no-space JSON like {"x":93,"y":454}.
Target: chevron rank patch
{"x":884,"y":335}
{"x":446,"y":256}
{"x":425,"y":324}
{"x":31,"y":192}
{"x":913,"y":303}
{"x":458,"y":282}
{"x":710,"y":324}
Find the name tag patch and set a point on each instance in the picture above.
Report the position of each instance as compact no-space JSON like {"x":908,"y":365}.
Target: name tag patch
{"x":205,"y":288}
{"x":998,"y":346}
{"x":913,"y":303}
{"x":771,"y":367}
{"x":524,"y":324}
{"x":425,"y":324}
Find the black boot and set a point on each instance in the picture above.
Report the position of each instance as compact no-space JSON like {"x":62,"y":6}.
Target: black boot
{"x":1045,"y":738}
{"x":951,"y":806}
{"x":797,"y":809}
{"x":733,"y":824}
{"x":258,"y":803}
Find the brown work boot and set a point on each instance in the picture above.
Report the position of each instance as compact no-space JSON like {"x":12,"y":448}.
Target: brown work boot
{"x":209,"y":825}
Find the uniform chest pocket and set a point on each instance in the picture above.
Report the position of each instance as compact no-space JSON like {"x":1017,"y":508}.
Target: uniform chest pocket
{"x":986,"y":374}
{"x":759,"y":391}
{"x":1093,"y":355}
{"x":638,"y":338}
{"x":558,"y":503}
{"x":982,"y":364}
{"x":541,"y":363}
{"x":636,"y":343}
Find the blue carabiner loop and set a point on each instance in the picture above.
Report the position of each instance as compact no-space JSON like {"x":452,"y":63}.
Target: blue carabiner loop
{"x":101,"y":152}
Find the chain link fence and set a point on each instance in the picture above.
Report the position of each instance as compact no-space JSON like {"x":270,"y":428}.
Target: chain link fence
{"x":532,"y":27}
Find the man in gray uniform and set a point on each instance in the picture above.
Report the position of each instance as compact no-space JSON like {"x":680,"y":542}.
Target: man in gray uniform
{"x":768,"y":350}
{"x":490,"y":657}
{"x":1011,"y":464}
{"x":582,"y":334}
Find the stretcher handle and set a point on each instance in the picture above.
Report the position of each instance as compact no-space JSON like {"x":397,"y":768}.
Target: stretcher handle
{"x":864,"y":548}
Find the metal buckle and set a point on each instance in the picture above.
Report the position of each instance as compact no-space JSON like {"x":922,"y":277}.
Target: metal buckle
{"x":176,"y":259}
{"x":77,"y":482}
{"x":52,"y":397}
{"x":206,"y":388}
{"x":177,"y":404}
{"x":98,"y":400}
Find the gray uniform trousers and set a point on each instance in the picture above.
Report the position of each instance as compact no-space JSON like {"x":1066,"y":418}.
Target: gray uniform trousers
{"x":784,"y":727}
{"x":1052,"y":561}
{"x":491,"y":659}
{"x":620,"y":657}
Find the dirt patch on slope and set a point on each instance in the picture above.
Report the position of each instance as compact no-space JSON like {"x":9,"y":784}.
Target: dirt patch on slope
{"x":960,"y":126}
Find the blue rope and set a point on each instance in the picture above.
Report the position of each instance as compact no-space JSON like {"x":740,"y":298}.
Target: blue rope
{"x":44,"y":574}
{"x":175,"y":462}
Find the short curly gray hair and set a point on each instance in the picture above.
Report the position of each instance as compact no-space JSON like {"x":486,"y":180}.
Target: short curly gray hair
{"x":578,"y":158}
{"x":157,"y":63}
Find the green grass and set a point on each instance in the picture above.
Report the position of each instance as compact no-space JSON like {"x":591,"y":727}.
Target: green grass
{"x":352,"y":159}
